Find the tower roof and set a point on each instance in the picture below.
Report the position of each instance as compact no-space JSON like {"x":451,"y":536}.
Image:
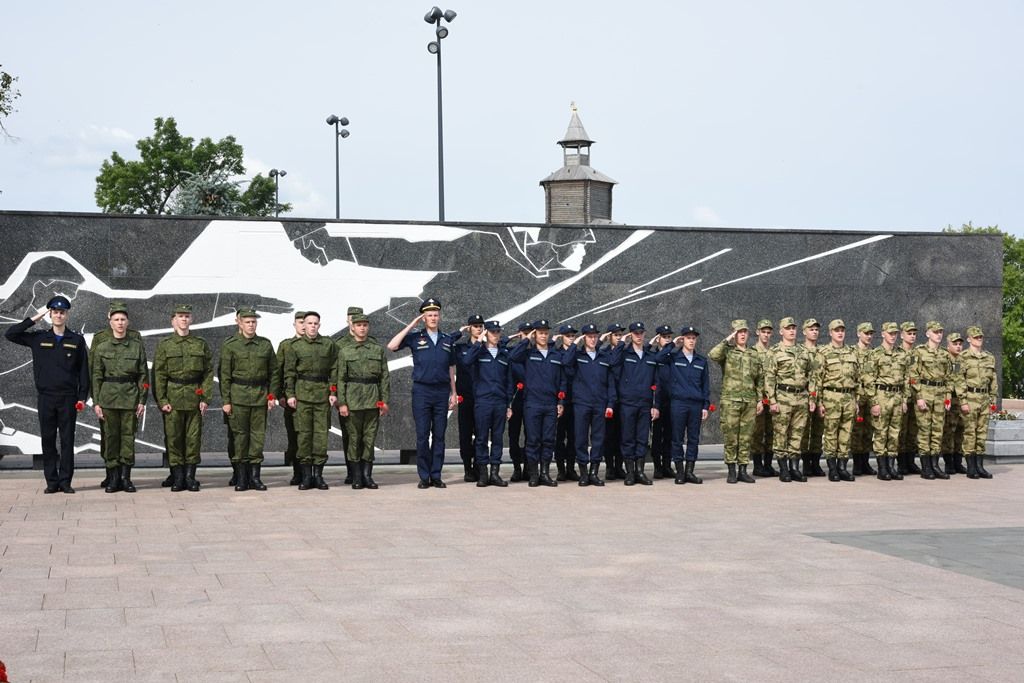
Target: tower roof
{"x":576,"y":135}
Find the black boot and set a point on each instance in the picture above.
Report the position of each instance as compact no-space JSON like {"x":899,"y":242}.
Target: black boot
{"x":482,"y":480}
{"x":926,"y":467}
{"x":858,"y":467}
{"x":936,"y":468}
{"x":469,"y":474}
{"x":595,"y":470}
{"x":318,"y":478}
{"x":495,"y":478}
{"x":533,"y":473}
{"x":641,"y":476}
{"x":106,"y":480}
{"x":630,"y":473}
{"x":545,"y":475}
{"x":688,"y":474}
{"x":168,"y":482}
{"x":126,"y":479}
{"x":255,"y":483}
{"x":233,"y":481}
{"x":609,"y":468}
{"x":744,"y":477}
{"x":178,"y":483}
{"x":979,"y":464}
{"x":769,"y":471}
{"x":794,"y":470}
{"x":241,"y":476}
{"x":560,"y":467}
{"x":113,"y":480}
{"x":307,"y":477}
{"x":866,"y":465}
{"x":947,"y":462}
{"x":680,"y":473}
{"x":351,"y":468}
{"x":731,"y":479}
{"x":517,"y":470}
{"x":584,"y":479}
{"x":296,"y":474}
{"x":958,"y":463}
{"x":784,"y":475}
{"x":883,"y":468}
{"x":812,"y":466}
{"x":669,"y":473}
{"x":894,"y":470}
{"x":620,"y":472}
{"x":833,"y":469}
{"x":367,"y":468}
{"x":972,"y":467}
{"x":758,"y":468}
{"x":844,"y":474}
{"x":356,"y":468}
{"x":190,"y":478}
{"x":658,"y":471}
{"x":910,"y":465}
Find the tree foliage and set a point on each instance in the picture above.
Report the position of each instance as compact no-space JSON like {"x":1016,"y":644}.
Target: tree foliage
{"x":174,"y":174}
{"x":1013,"y":305}
{"x":8,"y":93}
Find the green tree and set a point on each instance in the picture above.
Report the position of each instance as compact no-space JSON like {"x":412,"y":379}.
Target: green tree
{"x":1013,"y":306}
{"x":177,"y":175}
{"x":8,"y":93}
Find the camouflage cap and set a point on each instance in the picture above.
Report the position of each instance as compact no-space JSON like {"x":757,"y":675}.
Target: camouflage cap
{"x":740,"y":324}
{"x":354,"y":310}
{"x":248,"y":312}
{"x":788,"y":321}
{"x":360,"y":318}
{"x":934,"y":326}
{"x":975,"y":331}
{"x":299,"y":315}
{"x":909,"y":326}
{"x":954,"y":337}
{"x":811,"y":322}
{"x":763,"y":323}
{"x":890,"y":327}
{"x":865,"y":327}
{"x":836,"y":324}
{"x":117,"y":307}
{"x":182,"y":308}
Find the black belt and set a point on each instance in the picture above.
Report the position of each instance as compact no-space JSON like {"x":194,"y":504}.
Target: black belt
{"x":841,"y":390}
{"x":791,"y":389}
{"x":890,"y":387}
{"x":361,"y":380}
{"x":929,"y":383}
{"x":187,"y":380}
{"x":250,"y":382}
{"x":314,"y":378}
{"x":977,"y":390}
{"x":123,"y":379}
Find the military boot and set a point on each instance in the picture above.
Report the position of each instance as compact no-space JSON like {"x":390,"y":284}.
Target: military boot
{"x":641,"y":476}
{"x":255,"y":483}
{"x":858,"y":467}
{"x":658,"y":469}
{"x":126,"y":479}
{"x":609,"y":468}
{"x":731,"y":479}
{"x":812,"y":466}
{"x":979,"y":464}
{"x":758,"y":459}
{"x":972,"y":467}
{"x":893,"y":467}
{"x":233,"y":481}
{"x":584,"y":479}
{"x":350,"y":471}
{"x":169,"y":481}
{"x":307,"y":477}
{"x":833,"y":469}
{"x":545,"y":475}
{"x":926,"y":467}
{"x":595,"y":470}
{"x":296,"y":474}
{"x":620,"y":472}
{"x":844,"y":474}
{"x":533,"y":473}
{"x":482,"y":480}
{"x":190,"y":478}
{"x":866,"y":465}
{"x":241,"y":476}
{"x":356,"y":468}
{"x":883,"y":468}
{"x":784,"y":475}
{"x":910,"y":465}
{"x":769,"y":471}
{"x":947,"y":462}
{"x":560,"y":467}
{"x":178,"y":472}
{"x":113,"y":480}
{"x":936,"y":469}
{"x":368,"y":481}
{"x":630,"y":473}
{"x":794,"y":470}
{"x":469,"y":473}
{"x":495,"y":478}
{"x":680,"y":477}
{"x":691,"y":478}
{"x":958,"y":463}
{"x":517,"y":470}
{"x":570,"y":470}
{"x":667,"y":461}
{"x":744,"y":477}
{"x":318,"y":478}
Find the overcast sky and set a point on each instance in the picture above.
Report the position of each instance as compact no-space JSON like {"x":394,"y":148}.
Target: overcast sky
{"x":872,"y":114}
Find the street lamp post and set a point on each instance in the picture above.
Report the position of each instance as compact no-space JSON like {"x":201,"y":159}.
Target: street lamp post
{"x":434,"y":16}
{"x":277,"y":175}
{"x":339,"y":132}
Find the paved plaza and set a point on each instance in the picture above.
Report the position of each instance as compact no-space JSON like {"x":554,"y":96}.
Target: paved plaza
{"x":870,"y":581}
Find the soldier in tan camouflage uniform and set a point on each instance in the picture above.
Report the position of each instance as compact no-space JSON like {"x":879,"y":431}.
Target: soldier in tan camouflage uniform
{"x":908,"y":428}
{"x":978,"y":385}
{"x":741,"y":398}
{"x":884,"y":384}
{"x":953,"y":428}
{"x":810,"y":445}
{"x":787,"y":388}
{"x":761,"y":450}
{"x":837,"y":379}
{"x":930,"y":393}
{"x":860,"y":440}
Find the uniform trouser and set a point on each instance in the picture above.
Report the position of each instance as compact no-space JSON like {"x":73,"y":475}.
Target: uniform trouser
{"x":362,"y":434}
{"x":908,"y":431}
{"x":953,"y":430}
{"x":467,"y":429}
{"x":613,"y":435}
{"x":540,"y":432}
{"x":345,"y":433}
{"x":737,"y":419}
{"x":860,"y":437}
{"x":233,"y":455}
{"x":312,"y":422}
{"x":976,"y":424}
{"x":761,"y":439}
{"x":515,"y":431}
{"x":430,"y":411}
{"x":118,"y":431}
{"x":57,"y":414}
{"x":249,"y":426}
{"x":565,"y":435}
{"x":811,"y":442}
{"x":686,"y":421}
{"x":184,"y":432}
{"x":840,"y":412}
{"x":490,"y":427}
{"x":636,"y":429}
{"x":292,"y":448}
{"x":886,"y":425}
{"x":930,"y":420}
{"x":588,"y":421}
{"x":661,"y":432}
{"x":789,"y":425}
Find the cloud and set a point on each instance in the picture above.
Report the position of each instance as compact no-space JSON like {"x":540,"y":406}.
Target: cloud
{"x":86,"y":148}
{"x":707,"y":217}
{"x":295,"y":190}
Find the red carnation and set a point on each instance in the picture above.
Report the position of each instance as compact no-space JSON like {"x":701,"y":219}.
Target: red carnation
{"x":561,"y":395}
{"x":913,"y":381}
{"x":459,"y":399}
{"x":145,"y":385}
{"x":654,"y":387}
{"x":860,"y":418}
{"x":946,"y":403}
{"x":711,"y":408}
{"x":608,"y":412}
{"x":992,"y":407}
{"x":199,"y":391}
{"x":334,"y":388}
{"x":519,"y":385}
{"x":380,"y":404}
{"x":80,"y":406}
{"x":270,"y":397}
{"x":766,"y":402}
{"x":813,"y":394}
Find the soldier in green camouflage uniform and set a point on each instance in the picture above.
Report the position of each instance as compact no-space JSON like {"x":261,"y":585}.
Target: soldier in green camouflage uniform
{"x":182,"y":383}
{"x":282,"y":400}
{"x":884,"y":384}
{"x":837,"y":379}
{"x":308,"y":369}
{"x":788,"y":378}
{"x":742,"y":381}
{"x":342,"y":342}
{"x":953,"y":427}
{"x":908,"y":427}
{"x":761,"y":448}
{"x":978,"y":387}
{"x":364,"y":389}
{"x":247,"y":370}
{"x":860,"y":439}
{"x":931,"y":396}
{"x":810,"y":445}
{"x":119,"y":389}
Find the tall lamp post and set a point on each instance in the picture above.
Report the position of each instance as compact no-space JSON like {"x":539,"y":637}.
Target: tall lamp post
{"x":277,"y":175}
{"x":434,"y":16}
{"x":339,"y":133}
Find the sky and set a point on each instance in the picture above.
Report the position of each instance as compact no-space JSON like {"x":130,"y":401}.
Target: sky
{"x":873,"y":115}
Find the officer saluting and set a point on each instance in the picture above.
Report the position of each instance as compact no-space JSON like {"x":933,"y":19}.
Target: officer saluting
{"x":61,"y":370}
{"x":433,"y":387}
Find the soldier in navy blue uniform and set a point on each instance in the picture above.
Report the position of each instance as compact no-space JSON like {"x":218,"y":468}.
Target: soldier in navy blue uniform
{"x":690,"y":386}
{"x":60,"y":366}
{"x":590,"y":370}
{"x":612,"y":449}
{"x":488,"y":361}
{"x":473,"y":328}
{"x":515,"y":423}
{"x":638,"y":392}
{"x":565,"y":430}
{"x":544,"y":400}
{"x":433,"y":387}
{"x":661,"y":429}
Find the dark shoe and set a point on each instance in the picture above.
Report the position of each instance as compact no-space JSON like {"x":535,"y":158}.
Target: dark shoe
{"x":560,"y":470}
{"x":794,"y":470}
{"x":784,"y":475}
{"x":190,"y":478}
{"x":731,"y":479}
{"x":883,"y":469}
{"x":233,"y":481}
{"x":833,"y":469}
{"x":972,"y":467}
{"x":296,"y":474}
{"x":979,"y":463}
{"x":926,"y":467}
{"x":545,"y":475}
{"x":169,"y":481}
{"x":241,"y":476}
{"x":469,"y":472}
{"x":356,"y":471}
{"x":318,"y":478}
{"x":350,"y":472}
{"x":584,"y":479}
{"x":769,"y":471}
{"x":658,"y":469}
{"x":517,"y":471}
{"x":438,"y":484}
{"x":307,"y":477}
{"x":53,"y":488}
{"x":630,"y":473}
{"x":680,"y":473}
{"x":482,"y":480}
{"x":641,"y":476}
{"x":744,"y":477}
{"x":937,"y":469}
{"x":844,"y":474}
{"x":65,"y":486}
{"x":812,"y":466}
{"x":126,"y":479}
{"x":893,"y":467}
{"x":858,"y":467}
{"x":368,"y":481}
{"x":113,"y":480}
{"x":570,"y":471}
{"x":690,"y":477}
{"x":424,"y":484}
{"x":595,"y":479}
{"x":609,"y":469}
{"x":106,"y":480}
{"x":495,"y":478}
{"x":947,"y":462}
{"x":178,"y":483}
{"x":255,"y":483}
{"x":958,"y":464}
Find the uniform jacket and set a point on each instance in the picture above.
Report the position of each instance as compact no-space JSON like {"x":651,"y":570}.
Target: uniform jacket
{"x":928,"y":368}
{"x":309,"y":369}
{"x":791,"y":365}
{"x":59,"y":369}
{"x":636,"y":375}
{"x":685,"y":380}
{"x":492,"y":378}
{"x":183,"y":372}
{"x":119,"y":373}
{"x":742,"y":374}
{"x":977,"y":378}
{"x":361,"y":374}
{"x":839,"y":369}
{"x":592,"y":380}
{"x":430,"y":361}
{"x":544,"y":377}
{"x":248,"y":370}
{"x":277,"y":388}
{"x":884,"y":367}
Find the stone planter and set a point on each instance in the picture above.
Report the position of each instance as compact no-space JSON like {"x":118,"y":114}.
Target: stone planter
{"x":1005,"y":442}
